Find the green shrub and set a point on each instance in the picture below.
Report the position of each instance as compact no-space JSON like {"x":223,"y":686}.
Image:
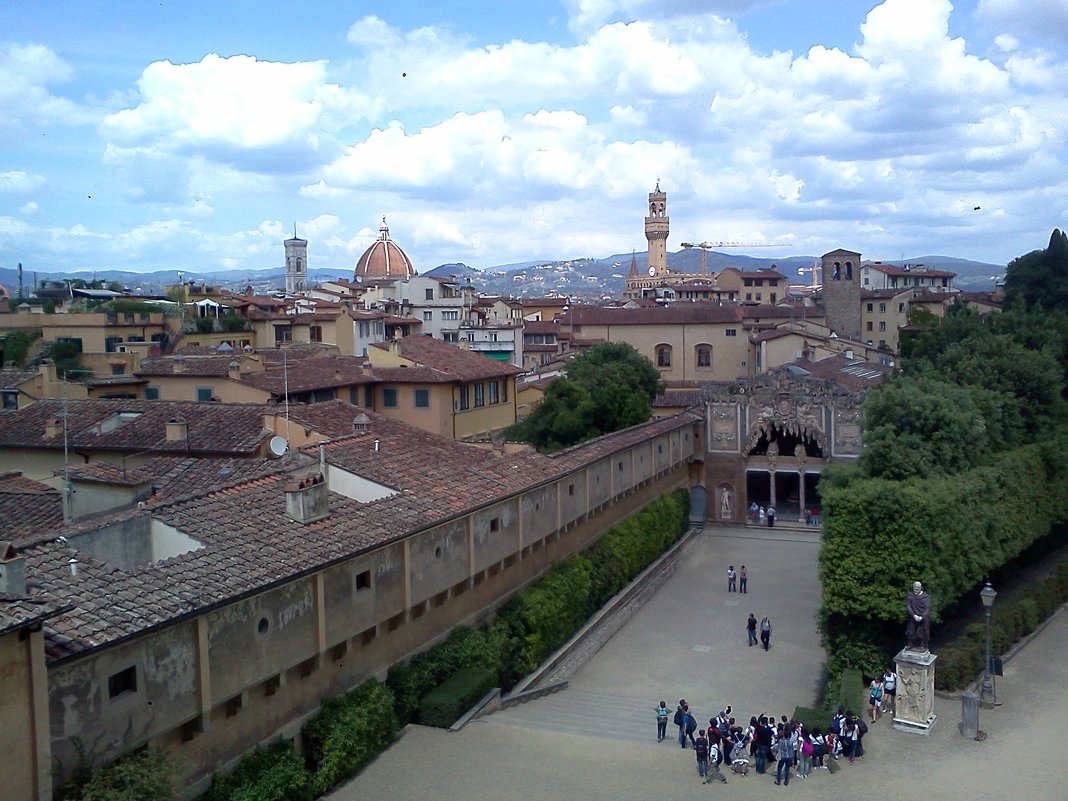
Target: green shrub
{"x":142,"y":776}
{"x":812,"y":718}
{"x":444,"y":705}
{"x":851,"y":693}
{"x":275,"y":773}
{"x":347,"y":733}
{"x":205,"y":325}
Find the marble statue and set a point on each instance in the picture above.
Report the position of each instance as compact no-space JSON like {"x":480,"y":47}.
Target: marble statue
{"x":918,"y":625}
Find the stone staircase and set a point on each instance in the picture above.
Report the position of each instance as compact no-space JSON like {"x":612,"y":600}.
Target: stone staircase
{"x":574,"y":711}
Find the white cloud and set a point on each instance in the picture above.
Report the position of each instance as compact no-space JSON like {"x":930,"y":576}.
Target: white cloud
{"x":26,"y":72}
{"x":30,"y":209}
{"x":261,"y":114}
{"x":20,"y":182}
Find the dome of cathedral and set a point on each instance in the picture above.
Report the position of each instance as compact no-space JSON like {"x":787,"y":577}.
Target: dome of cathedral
{"x":384,"y":259}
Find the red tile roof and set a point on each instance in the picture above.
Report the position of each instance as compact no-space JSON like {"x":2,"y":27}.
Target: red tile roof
{"x":899,"y":272}
{"x":309,"y":375}
{"x":27,"y":508}
{"x":448,"y":362}
{"x":676,"y":314}
{"x":102,"y":425}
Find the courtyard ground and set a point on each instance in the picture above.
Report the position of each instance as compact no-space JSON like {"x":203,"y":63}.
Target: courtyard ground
{"x":596,"y":739}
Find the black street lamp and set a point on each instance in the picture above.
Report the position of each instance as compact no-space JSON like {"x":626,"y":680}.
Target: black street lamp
{"x":986,"y":692}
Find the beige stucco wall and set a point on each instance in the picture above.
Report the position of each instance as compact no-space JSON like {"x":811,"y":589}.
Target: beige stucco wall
{"x":91,"y":328}
{"x":183,"y":387}
{"x":729,"y":353}
{"x":24,"y":717}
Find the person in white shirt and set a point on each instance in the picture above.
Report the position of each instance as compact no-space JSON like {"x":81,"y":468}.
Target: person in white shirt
{"x":890,"y":690}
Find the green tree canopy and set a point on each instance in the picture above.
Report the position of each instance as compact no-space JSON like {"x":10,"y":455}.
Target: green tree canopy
{"x":1039,"y":279}
{"x":607,"y":388}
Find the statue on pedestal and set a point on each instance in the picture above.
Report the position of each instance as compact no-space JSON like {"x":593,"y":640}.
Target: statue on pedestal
{"x":918,"y":626}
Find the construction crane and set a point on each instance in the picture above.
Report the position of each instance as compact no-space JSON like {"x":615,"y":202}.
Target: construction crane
{"x":704,"y":247}
{"x":815,"y":269}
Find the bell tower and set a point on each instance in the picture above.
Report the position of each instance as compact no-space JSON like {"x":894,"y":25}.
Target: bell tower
{"x":656,"y":232}
{"x":296,"y":264}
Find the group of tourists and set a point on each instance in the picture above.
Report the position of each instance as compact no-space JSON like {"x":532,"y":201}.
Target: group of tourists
{"x":882,"y":694}
{"x":766,"y":744}
{"x":761,"y":516}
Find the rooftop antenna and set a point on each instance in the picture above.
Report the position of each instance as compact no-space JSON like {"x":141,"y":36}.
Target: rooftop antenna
{"x":294,"y":230}
{"x":66,"y":453}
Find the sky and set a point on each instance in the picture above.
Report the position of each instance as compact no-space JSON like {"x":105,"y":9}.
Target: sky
{"x":163,"y":134}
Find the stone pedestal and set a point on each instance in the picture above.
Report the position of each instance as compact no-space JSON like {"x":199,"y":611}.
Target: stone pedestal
{"x":915,"y":691}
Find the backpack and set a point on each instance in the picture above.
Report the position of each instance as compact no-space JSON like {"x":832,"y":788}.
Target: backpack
{"x":691,"y":724}
{"x":679,"y":716}
{"x":836,"y":724}
{"x":862,"y":726}
{"x":701,"y":748}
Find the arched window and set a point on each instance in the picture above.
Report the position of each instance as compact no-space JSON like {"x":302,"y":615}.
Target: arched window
{"x":663,"y":355}
{"x":849,"y":271}
{"x":703,"y":357}
{"x":837,"y":271}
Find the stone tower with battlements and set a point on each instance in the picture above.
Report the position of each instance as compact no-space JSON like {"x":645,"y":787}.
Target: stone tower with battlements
{"x":656,"y":232}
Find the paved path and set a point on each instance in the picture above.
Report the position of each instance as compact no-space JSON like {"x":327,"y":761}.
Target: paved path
{"x":595,"y":740}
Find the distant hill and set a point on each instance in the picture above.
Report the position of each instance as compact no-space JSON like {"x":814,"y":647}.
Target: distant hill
{"x":587,"y":277}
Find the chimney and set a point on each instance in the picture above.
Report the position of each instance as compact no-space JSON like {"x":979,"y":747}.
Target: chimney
{"x":53,"y":428}
{"x":233,"y":369}
{"x":12,"y":572}
{"x":307,"y":499}
{"x":178,"y":364}
{"x":806,"y":352}
{"x":177,"y":430}
{"x":849,"y":355}
{"x":361,"y":424}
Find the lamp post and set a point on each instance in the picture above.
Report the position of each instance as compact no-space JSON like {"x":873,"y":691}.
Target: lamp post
{"x":986,"y":692}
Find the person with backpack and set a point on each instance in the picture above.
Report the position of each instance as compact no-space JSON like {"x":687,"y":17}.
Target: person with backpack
{"x":661,"y":721}
{"x":890,"y":690}
{"x":680,"y":721}
{"x":700,"y":749}
{"x":715,"y":757}
{"x":690,"y":723}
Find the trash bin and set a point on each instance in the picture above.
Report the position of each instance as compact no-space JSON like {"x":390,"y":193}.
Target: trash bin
{"x":969,"y":715}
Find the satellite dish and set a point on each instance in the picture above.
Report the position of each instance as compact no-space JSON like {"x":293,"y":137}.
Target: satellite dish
{"x":278,"y":446}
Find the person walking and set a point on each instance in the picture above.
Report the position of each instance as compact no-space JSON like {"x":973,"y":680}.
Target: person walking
{"x":700,"y":749}
{"x":750,"y":628}
{"x":875,"y":697}
{"x":690,"y":725}
{"x":743,"y":579}
{"x":771,"y":517}
{"x":889,"y":690}
{"x":715,"y":757}
{"x":680,"y":721}
{"x":661,"y":721}
{"x":763,"y":517}
{"x":765,"y":632}
{"x":732,"y":578}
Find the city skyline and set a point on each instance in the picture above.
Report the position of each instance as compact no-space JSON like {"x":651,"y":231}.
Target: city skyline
{"x":145,"y":137}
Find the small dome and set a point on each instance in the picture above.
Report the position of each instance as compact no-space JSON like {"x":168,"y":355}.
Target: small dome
{"x":384,"y":259}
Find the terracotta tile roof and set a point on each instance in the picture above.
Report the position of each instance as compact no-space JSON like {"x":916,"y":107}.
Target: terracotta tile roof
{"x":544,"y":302}
{"x":678,"y":397}
{"x":882,"y":294}
{"x":27,"y":508}
{"x":19,"y":612}
{"x":214,"y":366}
{"x":900,"y":272}
{"x":540,"y":348}
{"x":448,"y":362}
{"x":11,"y":379}
{"x":540,"y":327}
{"x":853,"y":374}
{"x":789,"y":311}
{"x":240,"y":554}
{"x":100,"y":424}
{"x":308,"y":375}
{"x":123,"y":379}
{"x":329,"y":418}
{"x":764,"y":273}
{"x":676,"y":314}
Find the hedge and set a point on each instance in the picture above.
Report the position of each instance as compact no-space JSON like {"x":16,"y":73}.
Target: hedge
{"x":540,"y":619}
{"x":347,"y":733}
{"x":962,"y":660}
{"x":948,"y":532}
{"x":141,"y":776}
{"x":275,"y":773}
{"x":447,"y":703}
